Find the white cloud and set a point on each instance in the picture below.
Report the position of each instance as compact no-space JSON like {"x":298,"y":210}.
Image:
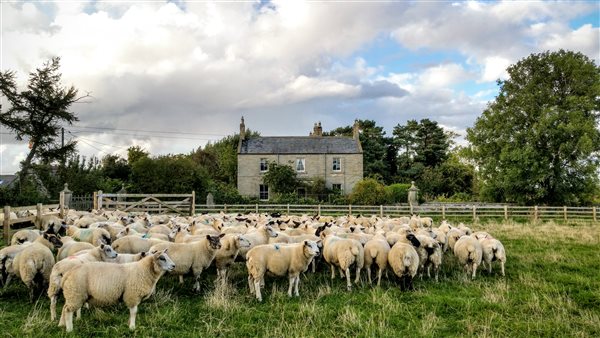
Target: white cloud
{"x":444,"y":75}
{"x":494,"y":68}
{"x":585,"y":39}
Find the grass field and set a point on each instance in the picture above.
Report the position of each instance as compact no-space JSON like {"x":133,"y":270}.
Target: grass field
{"x":552,"y":288}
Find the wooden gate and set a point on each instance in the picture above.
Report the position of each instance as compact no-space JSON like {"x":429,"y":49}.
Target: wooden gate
{"x":151,"y":203}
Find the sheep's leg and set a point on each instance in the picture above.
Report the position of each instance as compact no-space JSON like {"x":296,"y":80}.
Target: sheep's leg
{"x":379,"y":273}
{"x":257,"y":289}
{"x":132,"y":313}
{"x":197,"y":279}
{"x":291,"y":287}
{"x":341,"y":272}
{"x":314,"y":265}
{"x":369,"y":275}
{"x":428,"y":271}
{"x":489,"y":267}
{"x":348,"y":283}
{"x":437,"y":272}
{"x":251,"y":284}
{"x":357,"y":279}
{"x":53,"y":307}
{"x":474,"y":270}
{"x":332,"y":271}
{"x":180,"y":279}
{"x":68,"y":320}
{"x":296,"y":286}
{"x":502,"y":267}
{"x":78,"y":317}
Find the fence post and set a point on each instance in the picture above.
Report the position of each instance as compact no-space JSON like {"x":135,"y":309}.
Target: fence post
{"x":474,"y":213}
{"x":443,"y":211}
{"x":535,"y":213}
{"x":257,"y":208}
{"x":506,"y":212}
{"x":381,"y":211}
{"x":565,"y":212}
{"x":6,"y":225}
{"x":38,"y":216}
{"x":594,"y":214}
{"x":99,"y":199}
{"x":95,"y":200}
{"x":225,"y":208}
{"x":318,"y":209}
{"x":193,"y":205}
{"x":350,"y":209}
{"x":411,"y":209}
{"x":61,"y":205}
{"x":288,"y":209}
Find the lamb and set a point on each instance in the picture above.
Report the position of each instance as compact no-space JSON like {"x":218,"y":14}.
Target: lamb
{"x":103,"y":253}
{"x":7,"y":255}
{"x":404,"y":260}
{"x":257,"y":237}
{"x":430,"y":255}
{"x":107,"y":283}
{"x":134,"y":244}
{"x":127,"y":231}
{"x":34,"y":263}
{"x":195,"y":256}
{"x":376,"y":251}
{"x":280,"y":260}
{"x":492,"y":250}
{"x":225,"y":256}
{"x":342,"y":253}
{"x":93,"y":236}
{"x":469,"y":252}
{"x":453,"y":236}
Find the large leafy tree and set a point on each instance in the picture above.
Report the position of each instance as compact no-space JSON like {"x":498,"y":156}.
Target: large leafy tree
{"x":538,"y":141}
{"x":38,"y":113}
{"x":281,"y":178}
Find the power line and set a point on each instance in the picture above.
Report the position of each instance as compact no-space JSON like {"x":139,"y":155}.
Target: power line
{"x":102,"y":143}
{"x":100,"y":150}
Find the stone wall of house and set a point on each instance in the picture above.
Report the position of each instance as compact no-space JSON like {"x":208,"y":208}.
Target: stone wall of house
{"x":316,"y":165}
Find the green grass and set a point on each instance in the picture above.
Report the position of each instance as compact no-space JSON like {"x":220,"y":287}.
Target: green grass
{"x":552,"y":288}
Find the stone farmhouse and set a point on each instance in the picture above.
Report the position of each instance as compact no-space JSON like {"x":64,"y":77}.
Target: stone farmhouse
{"x":337,"y":159}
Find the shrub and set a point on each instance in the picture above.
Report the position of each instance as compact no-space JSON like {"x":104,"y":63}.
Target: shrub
{"x":368,"y":192}
{"x":397,"y":193}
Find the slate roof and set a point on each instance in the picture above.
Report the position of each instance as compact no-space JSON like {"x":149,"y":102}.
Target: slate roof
{"x":300,"y":145}
{"x":7,"y":180}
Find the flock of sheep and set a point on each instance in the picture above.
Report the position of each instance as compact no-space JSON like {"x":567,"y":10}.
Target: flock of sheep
{"x":103,"y":257}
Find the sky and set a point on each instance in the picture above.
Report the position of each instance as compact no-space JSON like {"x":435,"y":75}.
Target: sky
{"x":170,"y":76}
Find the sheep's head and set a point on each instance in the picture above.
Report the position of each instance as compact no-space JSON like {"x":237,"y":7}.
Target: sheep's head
{"x":52,"y":238}
{"x":215,"y":241}
{"x":163,"y":260}
{"x":243,"y":242}
{"x":311,"y":248}
{"x":413,"y":240}
{"x":108,"y":251}
{"x":270,"y":231}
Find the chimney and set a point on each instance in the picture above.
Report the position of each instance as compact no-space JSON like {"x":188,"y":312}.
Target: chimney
{"x":242,"y":129}
{"x":317,"y":130}
{"x":355,"y":130}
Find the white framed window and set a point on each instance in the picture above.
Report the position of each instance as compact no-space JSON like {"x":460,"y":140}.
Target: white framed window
{"x":337,"y":164}
{"x":264,"y":165}
{"x":263,"y":192}
{"x":300,"y":165}
{"x":336,"y":187}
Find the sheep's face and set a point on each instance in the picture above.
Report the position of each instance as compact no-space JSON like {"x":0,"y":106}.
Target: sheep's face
{"x":164,"y":261}
{"x":54,"y":240}
{"x":270,"y":231}
{"x":214,"y":241}
{"x":311,"y":248}
{"x":108,"y":251}
{"x":243,"y":242}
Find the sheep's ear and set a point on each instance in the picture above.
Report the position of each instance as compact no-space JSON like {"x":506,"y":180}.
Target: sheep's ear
{"x":362,"y":228}
{"x":208,"y":237}
{"x":102,"y":246}
{"x":351,"y":229}
{"x":143,"y":254}
{"x":221,"y":235}
{"x":165,"y":251}
{"x":226,"y":245}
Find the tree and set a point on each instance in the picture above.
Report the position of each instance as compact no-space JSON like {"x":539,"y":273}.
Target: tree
{"x":281,"y":179}
{"x":39,"y":112}
{"x":369,"y":191}
{"x":538,"y":141}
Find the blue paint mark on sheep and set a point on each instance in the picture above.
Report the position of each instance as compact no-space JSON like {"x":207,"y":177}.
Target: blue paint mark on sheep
{"x":276,"y":247}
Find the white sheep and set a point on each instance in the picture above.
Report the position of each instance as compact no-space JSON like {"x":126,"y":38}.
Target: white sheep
{"x":376,"y":251}
{"x":194,"y":256}
{"x":454,"y":235}
{"x":404,"y":261}
{"x":257,"y":237}
{"x":469,"y":253}
{"x":279,"y":260}
{"x":71,"y":247}
{"x":34,"y":263}
{"x":343,"y":253}
{"x":107,"y":283}
{"x":24,"y":235}
{"x":430,"y":255}
{"x":93,"y":236}
{"x":103,"y":253}
{"x":225,"y":256}
{"x":493,"y":250}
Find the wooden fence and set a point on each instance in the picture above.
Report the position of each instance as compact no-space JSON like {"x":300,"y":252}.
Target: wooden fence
{"x":32,"y":214}
{"x":151,"y":203}
{"x":466,"y":212}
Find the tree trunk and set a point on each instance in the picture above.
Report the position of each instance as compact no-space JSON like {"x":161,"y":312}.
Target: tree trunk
{"x":27,"y":163}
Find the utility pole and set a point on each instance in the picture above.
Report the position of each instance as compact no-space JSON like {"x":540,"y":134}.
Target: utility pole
{"x":62,"y":144}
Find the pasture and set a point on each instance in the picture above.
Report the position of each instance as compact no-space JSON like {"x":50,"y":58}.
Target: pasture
{"x":552,"y":288}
